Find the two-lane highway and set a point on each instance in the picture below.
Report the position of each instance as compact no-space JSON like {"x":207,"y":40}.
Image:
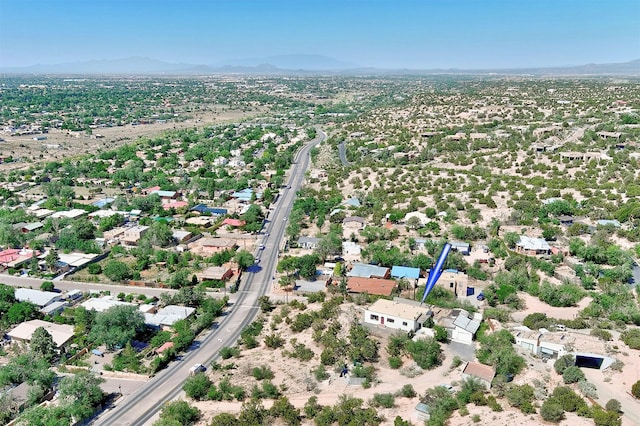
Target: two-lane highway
{"x":139,"y":408}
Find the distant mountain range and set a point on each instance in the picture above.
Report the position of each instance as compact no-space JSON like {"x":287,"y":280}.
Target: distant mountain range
{"x":297,"y":64}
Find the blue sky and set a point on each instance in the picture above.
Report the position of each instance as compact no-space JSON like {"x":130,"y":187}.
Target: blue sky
{"x":420,"y":34}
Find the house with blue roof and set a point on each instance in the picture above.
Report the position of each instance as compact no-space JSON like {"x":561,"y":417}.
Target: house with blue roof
{"x":103,"y":202}
{"x":213,"y":211}
{"x":245,"y":195}
{"x":400,"y":272}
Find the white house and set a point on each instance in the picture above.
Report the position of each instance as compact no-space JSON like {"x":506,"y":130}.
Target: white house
{"x":37,"y":297}
{"x":398,"y":314}
{"x":461,"y":326}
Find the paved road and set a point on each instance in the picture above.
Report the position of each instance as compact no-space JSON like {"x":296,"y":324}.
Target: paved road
{"x":141,"y":407}
{"x":342,"y":153}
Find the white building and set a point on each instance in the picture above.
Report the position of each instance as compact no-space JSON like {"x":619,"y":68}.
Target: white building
{"x":398,"y":314}
{"x":461,"y":326}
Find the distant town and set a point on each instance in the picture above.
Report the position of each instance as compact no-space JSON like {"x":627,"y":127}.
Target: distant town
{"x":318,"y":250}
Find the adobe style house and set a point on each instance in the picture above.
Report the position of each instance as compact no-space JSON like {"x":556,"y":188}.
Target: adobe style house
{"x":132,"y":235}
{"x":210,"y":245}
{"x":216,"y":273}
{"x":532,"y":246}
{"x":398,"y":314}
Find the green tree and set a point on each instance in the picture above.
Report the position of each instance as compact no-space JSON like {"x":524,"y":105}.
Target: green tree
{"x":197,"y":386}
{"x":22,"y":311}
{"x":47,"y":286}
{"x":244,"y":259}
{"x":117,"y":270}
{"x":83,"y":391}
{"x":42,"y":344}
{"x":425,"y":352}
{"x":117,"y":325}
{"x":179,"y":412}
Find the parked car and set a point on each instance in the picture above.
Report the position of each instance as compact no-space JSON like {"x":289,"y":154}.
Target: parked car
{"x":480,"y":297}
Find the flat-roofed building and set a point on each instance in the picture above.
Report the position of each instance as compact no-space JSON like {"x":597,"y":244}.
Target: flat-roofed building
{"x":61,"y":333}
{"x":397,"y":314}
{"x":37,"y":297}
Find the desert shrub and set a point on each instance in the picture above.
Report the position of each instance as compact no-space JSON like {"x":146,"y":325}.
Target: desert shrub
{"x":456,"y":362}
{"x":601,"y":334}
{"x":537,"y":320}
{"x":499,"y":314}
{"x":267,"y":390}
{"x":564,"y":362}
{"x":566,"y":294}
{"x":617,"y":365}
{"x":631,"y":338}
{"x":588,"y":389}
{"x":568,"y":399}
{"x":606,"y":418}
{"x":320,"y":373}
{"x":635,"y":389}
{"x":407,"y":391}
{"x":263,"y":372}
{"x":300,"y":351}
{"x":613,"y":405}
{"x":572,"y":375}
{"x":296,"y":304}
{"x":521,"y":397}
{"x":384,"y":400}
{"x":316,"y":297}
{"x":395,"y":362}
{"x":493,"y":404}
{"x":227,"y":352}
{"x":301,"y":322}
{"x":475,"y":418}
{"x":551,"y":410}
{"x":274,"y":341}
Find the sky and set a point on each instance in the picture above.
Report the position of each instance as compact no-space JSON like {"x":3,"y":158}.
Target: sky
{"x":418,"y":34}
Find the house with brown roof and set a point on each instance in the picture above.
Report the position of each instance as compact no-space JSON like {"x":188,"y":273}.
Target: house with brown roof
{"x":377,"y":286}
{"x":215,"y":273}
{"x":482,"y":373}
{"x":209,"y":246}
{"x":354,"y":223}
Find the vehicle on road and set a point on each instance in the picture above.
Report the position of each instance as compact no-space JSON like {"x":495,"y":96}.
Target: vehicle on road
{"x":197,"y":368}
{"x":261,"y":247}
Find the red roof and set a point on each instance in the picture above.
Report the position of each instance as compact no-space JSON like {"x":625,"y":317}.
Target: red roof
{"x":376,"y":286}
{"x":233,"y":222}
{"x":164,"y":347}
{"x":175,"y":204}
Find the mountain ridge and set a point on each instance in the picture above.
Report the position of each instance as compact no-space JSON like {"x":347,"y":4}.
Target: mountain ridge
{"x":297,"y":64}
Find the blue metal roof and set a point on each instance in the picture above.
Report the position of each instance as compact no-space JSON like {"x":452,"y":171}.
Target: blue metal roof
{"x":405,"y":272}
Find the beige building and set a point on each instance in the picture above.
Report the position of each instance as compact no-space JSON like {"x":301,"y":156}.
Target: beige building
{"x":399,"y":314}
